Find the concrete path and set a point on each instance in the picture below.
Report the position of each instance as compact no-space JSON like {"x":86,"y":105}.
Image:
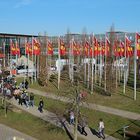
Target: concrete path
{"x":7,"y":133}
{"x":54,"y":119}
{"x":118,"y":112}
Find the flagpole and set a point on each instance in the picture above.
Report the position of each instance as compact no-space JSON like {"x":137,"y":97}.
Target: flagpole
{"x":135,"y":68}
{"x":46,"y":40}
{"x":33,"y":74}
{"x":4,"y":52}
{"x":72,"y":62}
{"x":106,"y":47}
{"x":124,"y":68}
{"x":88,"y":64}
{"x":100,"y":81}
{"x":92,"y":69}
{"x":85,"y":78}
{"x":58,"y":63}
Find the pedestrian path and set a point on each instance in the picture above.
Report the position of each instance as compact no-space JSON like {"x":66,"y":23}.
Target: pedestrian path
{"x":118,"y":112}
{"x":7,"y":133}
{"x":56,"y":120}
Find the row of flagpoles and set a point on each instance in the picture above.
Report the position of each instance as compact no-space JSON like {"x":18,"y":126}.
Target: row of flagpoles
{"x":101,"y":47}
{"x":89,"y":48}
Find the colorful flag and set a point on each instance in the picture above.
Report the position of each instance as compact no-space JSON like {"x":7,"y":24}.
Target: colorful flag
{"x":96,"y":46}
{"x":12,"y":48}
{"x":76,"y":48}
{"x":17,"y":51}
{"x":28,"y":48}
{"x":86,"y":48}
{"x":107,"y":46}
{"x":62,"y":47}
{"x":36,"y":47}
{"x":122,"y":48}
{"x":49,"y":47}
{"x":128,"y":47}
{"x":117,"y":48}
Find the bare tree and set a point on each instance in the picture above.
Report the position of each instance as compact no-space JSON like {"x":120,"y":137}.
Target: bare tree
{"x":42,"y":79}
{"x":110,"y":72}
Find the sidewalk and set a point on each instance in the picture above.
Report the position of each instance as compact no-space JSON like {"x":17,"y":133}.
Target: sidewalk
{"x":54,"y":119}
{"x":118,"y":112}
{"x":7,"y":133}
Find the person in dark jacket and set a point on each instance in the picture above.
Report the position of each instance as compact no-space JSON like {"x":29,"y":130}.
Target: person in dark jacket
{"x":26,"y":84}
{"x":41,"y":104}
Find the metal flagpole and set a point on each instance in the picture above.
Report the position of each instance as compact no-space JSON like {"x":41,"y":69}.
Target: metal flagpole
{"x":4,"y":53}
{"x":135,"y":68}
{"x":106,"y":47}
{"x":72,"y":61}
{"x":124,"y":68}
{"x":88,"y":77}
{"x":58,"y":63}
{"x":92,"y":69}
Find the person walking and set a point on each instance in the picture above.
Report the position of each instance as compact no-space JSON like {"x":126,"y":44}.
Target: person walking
{"x":32,"y":99}
{"x":83,"y":125}
{"x":41,"y":104}
{"x":26,"y":84}
{"x":101,"y":129}
{"x":71,"y":117}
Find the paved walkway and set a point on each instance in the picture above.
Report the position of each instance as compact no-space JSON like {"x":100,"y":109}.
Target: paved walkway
{"x":7,"y":133}
{"x":54,"y":119}
{"x":118,"y":112}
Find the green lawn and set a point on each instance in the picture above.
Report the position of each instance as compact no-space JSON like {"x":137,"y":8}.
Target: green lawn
{"x":32,"y":126}
{"x":114,"y":124}
{"x":116,"y":100}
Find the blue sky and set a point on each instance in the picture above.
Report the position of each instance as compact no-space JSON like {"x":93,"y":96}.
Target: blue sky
{"x":56,"y":16}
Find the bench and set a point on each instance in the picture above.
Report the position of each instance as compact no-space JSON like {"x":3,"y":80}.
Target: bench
{"x":129,"y":133}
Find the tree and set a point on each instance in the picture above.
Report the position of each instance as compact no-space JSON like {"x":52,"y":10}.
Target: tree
{"x":110,"y":72}
{"x":43,"y":73}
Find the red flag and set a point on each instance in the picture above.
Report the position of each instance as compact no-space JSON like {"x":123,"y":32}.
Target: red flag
{"x":17,"y":51}
{"x":117,"y":48}
{"x":49,"y":48}
{"x":76,"y":48}
{"x":12,"y":48}
{"x":107,"y":47}
{"x":28,"y":48}
{"x":62,"y":48}
{"x":128,"y":47}
{"x":138,"y":44}
{"x":96,"y":46}
{"x":122,"y":46}
{"x":86,"y":48}
{"x":36,"y":47}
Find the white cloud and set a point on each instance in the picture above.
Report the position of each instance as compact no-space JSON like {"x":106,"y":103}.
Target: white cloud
{"x":22,"y":3}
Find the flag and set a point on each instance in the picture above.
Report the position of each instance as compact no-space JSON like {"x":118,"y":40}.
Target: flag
{"x":107,"y":46}
{"x":76,"y":48}
{"x":128,"y":47}
{"x":138,"y":44}
{"x":12,"y":48}
{"x":28,"y":48}
{"x":117,"y":48}
{"x":122,"y":48}
{"x":36,"y":47}
{"x":17,"y":51}
{"x":96,"y":46}
{"x":49,"y":48}
{"x":86,"y":48}
{"x":62,"y":47}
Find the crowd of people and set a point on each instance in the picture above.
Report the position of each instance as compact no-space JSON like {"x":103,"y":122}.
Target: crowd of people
{"x":10,"y":89}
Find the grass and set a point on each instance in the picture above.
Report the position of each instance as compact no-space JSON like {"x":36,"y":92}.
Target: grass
{"x":32,"y":126}
{"x":114,"y":124}
{"x":117,"y":99}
